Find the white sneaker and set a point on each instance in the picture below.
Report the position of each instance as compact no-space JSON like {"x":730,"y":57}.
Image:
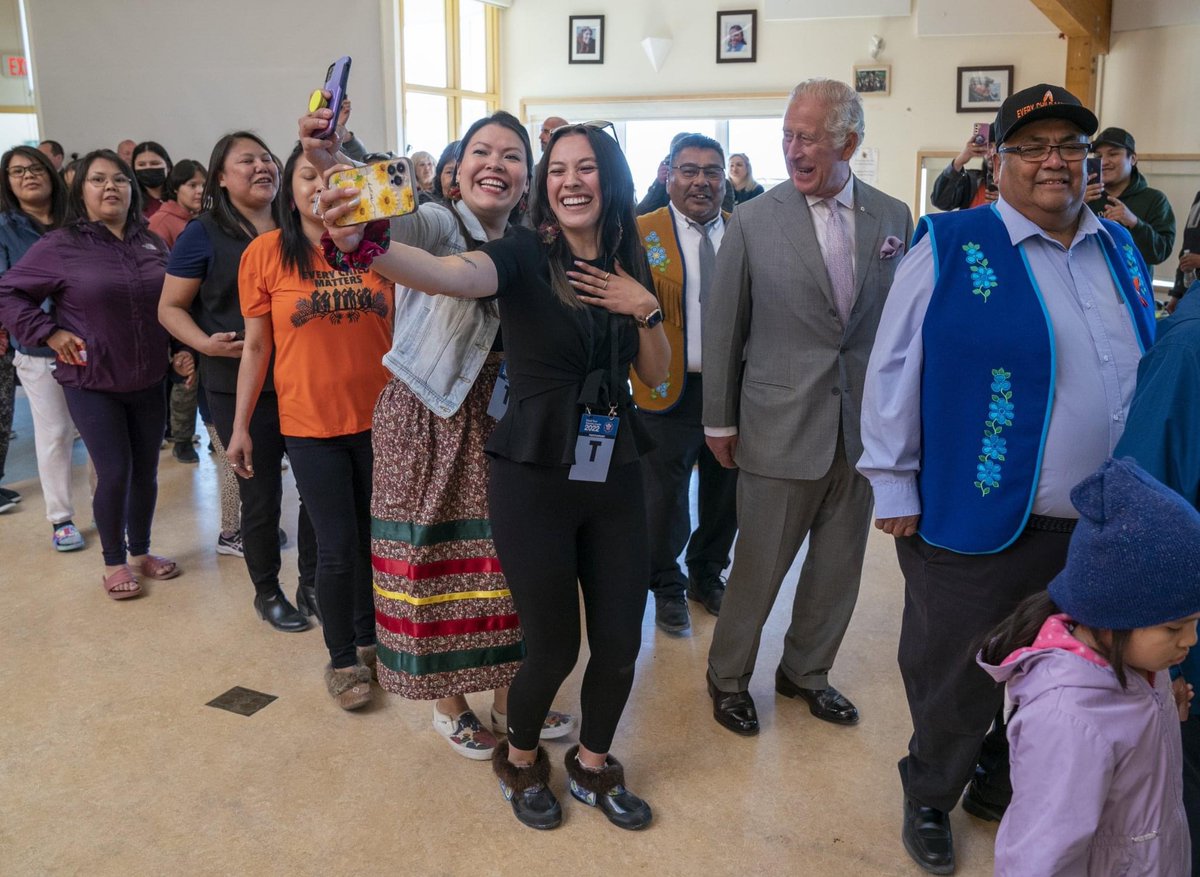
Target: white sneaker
{"x":556,"y":724}
{"x":466,"y":734}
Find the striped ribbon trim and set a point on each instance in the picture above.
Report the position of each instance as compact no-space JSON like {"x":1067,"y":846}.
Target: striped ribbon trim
{"x":441,"y":598}
{"x":456,"y":566}
{"x":444,"y":662}
{"x":450,"y":627}
{"x":421,"y":535}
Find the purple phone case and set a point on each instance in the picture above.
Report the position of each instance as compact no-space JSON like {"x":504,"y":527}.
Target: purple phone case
{"x":335,"y":83}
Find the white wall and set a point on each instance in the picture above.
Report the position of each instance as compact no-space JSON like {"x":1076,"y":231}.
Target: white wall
{"x":184,"y":74}
{"x":1152,"y":87}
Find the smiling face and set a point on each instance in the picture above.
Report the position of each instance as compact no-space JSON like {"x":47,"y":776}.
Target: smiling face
{"x":1116,"y":164}
{"x":573,"y":185}
{"x":1049,"y":192}
{"x":31,"y":184}
{"x":816,"y":164}
{"x":699,"y":199}
{"x":306,"y":183}
{"x":1162,"y":646}
{"x":191,"y":194}
{"x":107,"y":193}
{"x":249,"y":174}
{"x":493,"y":174}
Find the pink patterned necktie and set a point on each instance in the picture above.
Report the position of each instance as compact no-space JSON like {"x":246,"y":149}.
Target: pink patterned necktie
{"x":837,"y":260}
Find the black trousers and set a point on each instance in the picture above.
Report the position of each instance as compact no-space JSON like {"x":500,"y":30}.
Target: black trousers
{"x":555,"y":537}
{"x":679,"y":439}
{"x":262,"y":495}
{"x":951,"y":601}
{"x":1191,"y":784}
{"x":335,"y":475}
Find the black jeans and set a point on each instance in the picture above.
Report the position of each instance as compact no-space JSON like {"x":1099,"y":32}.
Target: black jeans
{"x":554,"y":536}
{"x":951,"y":601}
{"x":123,"y":435}
{"x":262,"y":495}
{"x":335,"y":476}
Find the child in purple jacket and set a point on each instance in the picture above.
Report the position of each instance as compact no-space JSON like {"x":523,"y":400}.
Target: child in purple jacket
{"x":1095,"y":740}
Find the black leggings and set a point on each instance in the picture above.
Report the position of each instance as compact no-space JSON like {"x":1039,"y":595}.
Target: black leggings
{"x":334,"y":477}
{"x":553,"y":536}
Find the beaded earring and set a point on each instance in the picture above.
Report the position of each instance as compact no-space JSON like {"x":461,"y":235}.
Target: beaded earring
{"x":549,"y":231}
{"x":454,"y":193}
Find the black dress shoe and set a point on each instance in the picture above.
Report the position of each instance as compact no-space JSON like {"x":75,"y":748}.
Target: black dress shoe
{"x":828,"y":704}
{"x":983,"y":801}
{"x":279,"y":613}
{"x":734,"y":710}
{"x":306,"y":602}
{"x":671,"y":614}
{"x":927,"y":837}
{"x":710,"y":598}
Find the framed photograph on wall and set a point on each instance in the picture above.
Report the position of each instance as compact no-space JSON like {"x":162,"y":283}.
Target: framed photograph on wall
{"x":737,"y":36}
{"x":873,"y":79}
{"x":586,"y":35}
{"x":983,"y":89}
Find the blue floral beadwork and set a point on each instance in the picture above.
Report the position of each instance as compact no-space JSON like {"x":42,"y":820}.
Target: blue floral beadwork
{"x":983,"y":278}
{"x":1000,"y":415}
{"x":656,"y":253}
{"x":1131,"y":263}
{"x":660,"y":392}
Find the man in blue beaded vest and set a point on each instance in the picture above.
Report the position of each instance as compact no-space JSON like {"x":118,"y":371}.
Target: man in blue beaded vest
{"x":1001,"y":376}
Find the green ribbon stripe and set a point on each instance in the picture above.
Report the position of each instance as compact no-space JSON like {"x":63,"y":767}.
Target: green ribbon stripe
{"x":420,"y":535}
{"x":443,"y":662}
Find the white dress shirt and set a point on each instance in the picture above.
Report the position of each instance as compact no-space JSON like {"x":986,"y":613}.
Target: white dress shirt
{"x":688,"y":235}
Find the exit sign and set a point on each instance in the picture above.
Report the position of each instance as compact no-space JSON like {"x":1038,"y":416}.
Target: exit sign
{"x":13,"y":65}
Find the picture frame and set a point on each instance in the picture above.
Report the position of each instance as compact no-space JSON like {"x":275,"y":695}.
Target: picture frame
{"x":737,"y":36}
{"x":982,"y":89}
{"x":585,"y":39}
{"x":873,"y":79}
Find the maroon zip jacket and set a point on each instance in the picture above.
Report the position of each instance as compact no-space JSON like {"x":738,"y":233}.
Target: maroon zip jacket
{"x":106,"y":291}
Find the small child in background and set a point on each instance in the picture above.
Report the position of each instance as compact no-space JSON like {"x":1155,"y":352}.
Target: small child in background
{"x":1095,"y":739}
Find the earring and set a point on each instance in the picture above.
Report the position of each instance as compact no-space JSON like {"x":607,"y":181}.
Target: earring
{"x":549,"y":231}
{"x":454,"y":193}
{"x":523,"y":204}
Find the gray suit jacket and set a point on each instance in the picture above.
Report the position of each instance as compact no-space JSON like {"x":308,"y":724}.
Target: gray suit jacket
{"x":778,"y":364}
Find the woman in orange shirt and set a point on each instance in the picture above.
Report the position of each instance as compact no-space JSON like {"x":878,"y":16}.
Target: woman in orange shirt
{"x":328,"y":332}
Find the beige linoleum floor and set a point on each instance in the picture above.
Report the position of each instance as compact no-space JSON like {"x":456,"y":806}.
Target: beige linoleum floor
{"x":111,"y":764}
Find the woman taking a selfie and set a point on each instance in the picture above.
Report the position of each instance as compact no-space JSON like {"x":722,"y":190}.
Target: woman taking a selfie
{"x":576,"y":311}
{"x":200,"y":307}
{"x":327,"y":334}
{"x":103,"y":272}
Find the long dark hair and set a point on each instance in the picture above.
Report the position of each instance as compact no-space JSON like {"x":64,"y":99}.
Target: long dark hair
{"x":157,"y":149}
{"x":619,"y":238}
{"x":77,"y":210}
{"x":180,"y":174}
{"x":10,"y":203}
{"x":294,"y":247}
{"x":512,"y":123}
{"x":216,"y":197}
{"x":1021,"y":628}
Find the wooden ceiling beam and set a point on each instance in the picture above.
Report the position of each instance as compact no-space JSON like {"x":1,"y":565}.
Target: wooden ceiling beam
{"x":1091,"y":19}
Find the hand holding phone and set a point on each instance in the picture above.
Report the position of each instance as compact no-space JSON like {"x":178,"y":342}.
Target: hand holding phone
{"x":385,"y":190}
{"x":336,"y":80}
{"x":1095,"y":180}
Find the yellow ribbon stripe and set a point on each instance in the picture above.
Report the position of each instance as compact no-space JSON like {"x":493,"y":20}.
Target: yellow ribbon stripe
{"x":442,"y":598}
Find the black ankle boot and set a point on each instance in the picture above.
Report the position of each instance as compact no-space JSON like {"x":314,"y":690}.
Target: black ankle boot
{"x":526,"y":788}
{"x":279,"y":613}
{"x":605,"y":789}
{"x":306,"y":602}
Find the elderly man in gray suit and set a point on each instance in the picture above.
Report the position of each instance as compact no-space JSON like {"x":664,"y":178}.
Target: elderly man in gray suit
{"x":800,"y":283}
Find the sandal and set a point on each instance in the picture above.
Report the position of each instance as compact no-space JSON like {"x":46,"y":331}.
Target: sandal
{"x":155,"y":567}
{"x":123,"y":576}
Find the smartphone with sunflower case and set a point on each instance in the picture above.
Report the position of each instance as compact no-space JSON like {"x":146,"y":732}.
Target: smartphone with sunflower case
{"x":386,"y":190}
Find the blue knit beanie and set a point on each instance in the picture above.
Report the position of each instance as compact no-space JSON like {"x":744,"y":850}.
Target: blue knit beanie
{"x":1134,"y":559}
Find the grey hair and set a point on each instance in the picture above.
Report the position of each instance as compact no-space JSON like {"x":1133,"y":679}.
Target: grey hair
{"x":845,"y":106}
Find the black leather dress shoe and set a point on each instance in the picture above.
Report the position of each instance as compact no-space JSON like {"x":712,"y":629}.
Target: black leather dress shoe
{"x":710,"y":597}
{"x":671,"y":614}
{"x":734,"y":710}
{"x":983,"y":801}
{"x":927,"y":837}
{"x":279,"y":613}
{"x":827,"y":704}
{"x":306,"y":602}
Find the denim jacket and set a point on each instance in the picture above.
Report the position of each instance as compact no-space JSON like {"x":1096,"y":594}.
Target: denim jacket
{"x":440,"y":343}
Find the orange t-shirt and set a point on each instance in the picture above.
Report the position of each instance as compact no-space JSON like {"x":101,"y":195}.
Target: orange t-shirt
{"x":331,"y":331}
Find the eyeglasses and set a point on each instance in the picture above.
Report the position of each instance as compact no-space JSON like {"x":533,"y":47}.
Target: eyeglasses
{"x":1039,"y":152}
{"x":712,"y":172}
{"x":119,"y":180}
{"x":595,"y":124}
{"x":19,"y":171}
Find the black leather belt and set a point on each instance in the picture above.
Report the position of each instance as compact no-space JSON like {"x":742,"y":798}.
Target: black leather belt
{"x":1047,"y":524}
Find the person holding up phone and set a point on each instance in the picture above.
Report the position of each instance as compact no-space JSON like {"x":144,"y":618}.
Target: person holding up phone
{"x":1125,"y":196}
{"x":566,"y":498}
{"x":199,"y":306}
{"x":958,"y":187}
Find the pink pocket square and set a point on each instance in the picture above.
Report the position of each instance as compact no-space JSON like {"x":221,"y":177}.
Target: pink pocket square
{"x":892,"y":246}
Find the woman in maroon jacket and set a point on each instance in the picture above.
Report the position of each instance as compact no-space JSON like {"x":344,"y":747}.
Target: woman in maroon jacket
{"x":104,"y":271}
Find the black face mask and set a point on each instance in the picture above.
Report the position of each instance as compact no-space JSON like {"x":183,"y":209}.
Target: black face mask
{"x":151,"y":177}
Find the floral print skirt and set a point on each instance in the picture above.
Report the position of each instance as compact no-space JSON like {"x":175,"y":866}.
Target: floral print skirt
{"x":443,"y":612}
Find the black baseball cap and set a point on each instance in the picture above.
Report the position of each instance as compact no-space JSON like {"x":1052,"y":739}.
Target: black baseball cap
{"x":1115,"y":137}
{"x":1042,"y":102}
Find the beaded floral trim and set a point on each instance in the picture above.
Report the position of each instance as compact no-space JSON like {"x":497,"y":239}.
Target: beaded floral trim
{"x":983,"y":278}
{"x":656,"y":253}
{"x":1000,"y":415}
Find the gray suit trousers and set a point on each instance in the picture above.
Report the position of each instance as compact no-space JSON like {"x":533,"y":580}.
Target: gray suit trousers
{"x":774,"y":517}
